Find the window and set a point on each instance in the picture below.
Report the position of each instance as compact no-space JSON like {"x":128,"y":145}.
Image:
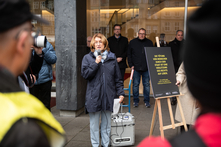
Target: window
{"x":148,"y":15}
{"x":177,"y":14}
{"x":92,"y":28}
{"x":95,"y":2}
{"x":177,"y":4}
{"x":145,"y":1}
{"x":138,"y":1}
{"x":167,"y":13}
{"x":177,"y":25}
{"x":155,"y":28}
{"x":45,"y":29}
{"x":42,"y":5}
{"x":148,"y":29}
{"x":51,"y":30}
{"x":167,"y":26}
{"x":51,"y":5}
{"x":36,"y":5}
{"x":136,"y":28}
{"x":155,"y":16}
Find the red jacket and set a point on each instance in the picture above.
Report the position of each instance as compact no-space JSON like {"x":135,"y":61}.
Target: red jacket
{"x":207,"y":126}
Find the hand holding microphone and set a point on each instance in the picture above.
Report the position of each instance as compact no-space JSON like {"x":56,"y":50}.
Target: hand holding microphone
{"x":98,"y":58}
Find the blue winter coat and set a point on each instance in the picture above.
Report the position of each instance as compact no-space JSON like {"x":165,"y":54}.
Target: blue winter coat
{"x":50,"y":58}
{"x":104,"y":82}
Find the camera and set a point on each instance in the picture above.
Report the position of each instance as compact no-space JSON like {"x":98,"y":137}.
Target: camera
{"x":39,"y":41}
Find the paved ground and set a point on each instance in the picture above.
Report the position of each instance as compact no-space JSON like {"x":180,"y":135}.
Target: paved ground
{"x":78,"y":132}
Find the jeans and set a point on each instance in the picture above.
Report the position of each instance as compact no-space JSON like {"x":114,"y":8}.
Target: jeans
{"x":146,"y":85}
{"x":105,"y":128}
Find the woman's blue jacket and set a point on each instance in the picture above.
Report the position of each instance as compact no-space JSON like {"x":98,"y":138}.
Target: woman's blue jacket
{"x":104,"y":82}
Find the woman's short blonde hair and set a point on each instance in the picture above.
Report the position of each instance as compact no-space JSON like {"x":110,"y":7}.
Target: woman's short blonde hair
{"x":103,"y":39}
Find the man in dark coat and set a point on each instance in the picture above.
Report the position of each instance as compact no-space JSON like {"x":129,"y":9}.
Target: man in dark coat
{"x":176,"y":46}
{"x":118,"y":44}
{"x":137,"y":61}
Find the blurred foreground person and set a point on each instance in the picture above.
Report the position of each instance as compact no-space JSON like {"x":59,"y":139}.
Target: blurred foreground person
{"x":100,"y":69}
{"x":201,"y":54}
{"x":24,"y":121}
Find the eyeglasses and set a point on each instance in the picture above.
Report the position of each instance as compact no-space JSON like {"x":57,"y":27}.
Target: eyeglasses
{"x":141,"y":34}
{"x":117,"y":29}
{"x":98,"y":42}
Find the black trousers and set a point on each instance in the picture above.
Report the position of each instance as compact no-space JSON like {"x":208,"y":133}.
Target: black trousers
{"x":43,"y":93}
{"x":122,"y":71}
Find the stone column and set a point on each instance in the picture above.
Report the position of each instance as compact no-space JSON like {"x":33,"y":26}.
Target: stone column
{"x":70,"y":46}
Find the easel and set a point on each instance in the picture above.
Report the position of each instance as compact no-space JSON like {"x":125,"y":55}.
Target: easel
{"x":158,"y":105}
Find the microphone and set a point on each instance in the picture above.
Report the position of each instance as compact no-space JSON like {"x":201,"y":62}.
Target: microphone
{"x":98,"y":52}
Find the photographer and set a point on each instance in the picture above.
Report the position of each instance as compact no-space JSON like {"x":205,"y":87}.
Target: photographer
{"x":28,"y":78}
{"x":42,"y":88}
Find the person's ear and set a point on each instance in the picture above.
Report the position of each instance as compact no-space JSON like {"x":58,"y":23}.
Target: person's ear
{"x":22,"y":42}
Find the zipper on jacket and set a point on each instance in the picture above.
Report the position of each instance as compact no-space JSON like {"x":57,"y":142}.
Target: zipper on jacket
{"x":104,"y":90}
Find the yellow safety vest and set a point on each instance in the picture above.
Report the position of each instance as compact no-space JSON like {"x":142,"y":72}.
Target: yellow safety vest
{"x":17,"y":105}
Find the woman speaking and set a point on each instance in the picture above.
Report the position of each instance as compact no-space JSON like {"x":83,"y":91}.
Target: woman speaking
{"x":100,"y":69}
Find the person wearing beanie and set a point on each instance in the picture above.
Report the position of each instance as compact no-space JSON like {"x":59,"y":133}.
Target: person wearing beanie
{"x":24,"y":120}
{"x":201,"y":55}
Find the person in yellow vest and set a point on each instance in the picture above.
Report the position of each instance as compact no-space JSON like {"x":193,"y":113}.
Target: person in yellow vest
{"x":24,"y":120}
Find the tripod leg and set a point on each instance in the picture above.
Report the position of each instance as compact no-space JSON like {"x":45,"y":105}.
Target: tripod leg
{"x":153,"y":119}
{"x":160,"y":118}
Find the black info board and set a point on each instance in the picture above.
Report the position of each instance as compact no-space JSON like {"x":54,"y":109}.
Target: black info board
{"x":161,"y":71}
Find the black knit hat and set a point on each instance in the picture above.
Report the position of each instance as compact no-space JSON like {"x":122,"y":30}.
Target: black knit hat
{"x":14,"y":13}
{"x":202,"y":55}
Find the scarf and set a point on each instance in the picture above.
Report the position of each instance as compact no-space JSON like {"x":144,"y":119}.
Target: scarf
{"x":103,"y":55}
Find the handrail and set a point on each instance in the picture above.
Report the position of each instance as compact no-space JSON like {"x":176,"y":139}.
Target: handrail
{"x":112,"y":17}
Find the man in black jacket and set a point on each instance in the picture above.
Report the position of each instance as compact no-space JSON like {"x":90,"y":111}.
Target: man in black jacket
{"x":118,"y":44}
{"x":137,"y":61}
{"x":176,"y":46}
